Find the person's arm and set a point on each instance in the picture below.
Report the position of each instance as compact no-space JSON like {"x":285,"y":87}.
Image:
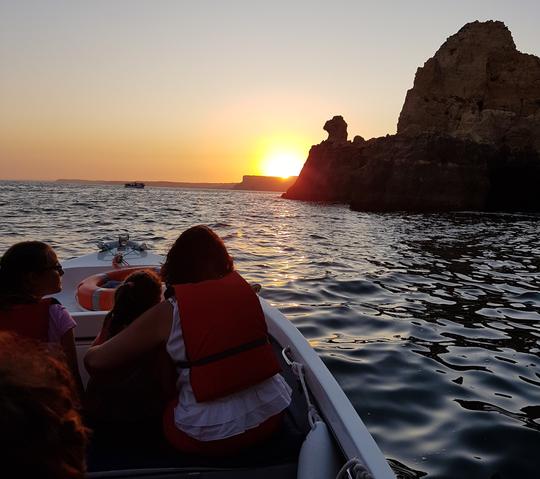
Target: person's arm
{"x":67,"y":342}
{"x":146,"y":332}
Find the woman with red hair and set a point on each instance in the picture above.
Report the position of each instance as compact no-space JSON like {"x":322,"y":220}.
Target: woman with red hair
{"x":230,"y":393}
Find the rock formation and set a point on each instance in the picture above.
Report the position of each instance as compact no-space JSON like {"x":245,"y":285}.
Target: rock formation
{"x":328,"y":173}
{"x":443,"y":173}
{"x":337,"y":130}
{"x":468,"y":137}
{"x":478,"y":86}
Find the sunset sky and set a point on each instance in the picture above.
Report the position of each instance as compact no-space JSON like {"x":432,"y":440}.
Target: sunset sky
{"x":211,"y":90}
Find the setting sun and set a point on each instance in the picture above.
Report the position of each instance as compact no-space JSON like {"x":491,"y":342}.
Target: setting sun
{"x":282,"y":163}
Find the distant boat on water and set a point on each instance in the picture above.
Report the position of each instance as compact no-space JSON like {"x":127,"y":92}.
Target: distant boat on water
{"x":134,"y":184}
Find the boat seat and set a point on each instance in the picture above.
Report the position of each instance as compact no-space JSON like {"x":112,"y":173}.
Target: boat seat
{"x":143,"y":447}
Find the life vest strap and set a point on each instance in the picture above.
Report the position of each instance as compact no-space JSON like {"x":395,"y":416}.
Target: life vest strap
{"x":223,"y":354}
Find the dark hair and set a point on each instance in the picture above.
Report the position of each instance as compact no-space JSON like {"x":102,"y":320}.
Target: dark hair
{"x":19,"y":260}
{"x":197,"y":255}
{"x":140,"y":291}
{"x":41,"y":431}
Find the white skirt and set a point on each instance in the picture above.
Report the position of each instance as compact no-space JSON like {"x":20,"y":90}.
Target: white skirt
{"x":227,"y":416}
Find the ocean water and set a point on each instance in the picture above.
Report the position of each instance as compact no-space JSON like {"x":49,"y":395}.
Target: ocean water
{"x":430,"y":323}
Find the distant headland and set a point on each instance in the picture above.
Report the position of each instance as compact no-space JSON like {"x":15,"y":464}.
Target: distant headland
{"x":265,"y":183}
{"x":249,"y":182}
{"x":468,"y":137}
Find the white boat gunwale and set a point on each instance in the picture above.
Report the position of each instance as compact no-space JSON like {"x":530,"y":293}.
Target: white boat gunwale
{"x":334,"y":406}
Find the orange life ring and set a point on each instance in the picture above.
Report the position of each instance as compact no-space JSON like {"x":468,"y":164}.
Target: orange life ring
{"x":93,"y":296}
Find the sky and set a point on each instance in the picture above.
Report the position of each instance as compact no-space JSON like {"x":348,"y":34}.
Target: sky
{"x":208,"y":91}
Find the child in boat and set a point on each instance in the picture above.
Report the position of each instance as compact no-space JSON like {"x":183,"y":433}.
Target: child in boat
{"x":230,"y":393}
{"x":29,"y":271}
{"x":41,"y":431}
{"x":140,"y":291}
{"x":130,"y":394}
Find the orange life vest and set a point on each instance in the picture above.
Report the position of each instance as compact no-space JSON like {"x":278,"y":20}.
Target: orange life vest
{"x":225,"y":337}
{"x":28,"y":320}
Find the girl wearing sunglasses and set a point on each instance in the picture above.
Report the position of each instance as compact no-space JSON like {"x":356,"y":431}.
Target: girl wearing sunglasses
{"x":29,"y":271}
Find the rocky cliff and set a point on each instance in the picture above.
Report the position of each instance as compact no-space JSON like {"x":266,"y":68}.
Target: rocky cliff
{"x":477,"y":86}
{"x":468,"y":137}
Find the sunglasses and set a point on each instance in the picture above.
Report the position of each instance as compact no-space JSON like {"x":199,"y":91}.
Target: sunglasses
{"x":56,"y":267}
